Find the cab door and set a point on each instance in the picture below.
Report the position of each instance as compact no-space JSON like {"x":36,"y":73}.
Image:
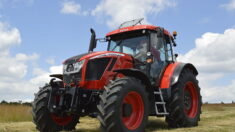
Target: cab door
{"x":160,"y":55}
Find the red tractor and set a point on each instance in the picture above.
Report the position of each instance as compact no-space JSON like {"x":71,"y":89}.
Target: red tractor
{"x":136,"y":77}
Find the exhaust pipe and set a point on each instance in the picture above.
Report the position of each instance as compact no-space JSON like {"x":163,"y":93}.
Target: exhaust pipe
{"x":93,"y":41}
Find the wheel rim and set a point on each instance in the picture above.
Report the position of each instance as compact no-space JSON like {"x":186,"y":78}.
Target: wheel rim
{"x":62,"y":121}
{"x":134,"y":120}
{"x":190,"y":100}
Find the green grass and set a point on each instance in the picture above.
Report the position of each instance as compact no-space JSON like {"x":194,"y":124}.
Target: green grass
{"x":214,"y":118}
{"x":15,"y":113}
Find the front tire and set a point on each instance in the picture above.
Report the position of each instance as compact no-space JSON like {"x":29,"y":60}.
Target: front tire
{"x":124,"y":106}
{"x":185,"y":104}
{"x":46,"y":121}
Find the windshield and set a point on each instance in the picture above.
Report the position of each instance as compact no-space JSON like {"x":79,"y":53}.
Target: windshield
{"x":132,"y":46}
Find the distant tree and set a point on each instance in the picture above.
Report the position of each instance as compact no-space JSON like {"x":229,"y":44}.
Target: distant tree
{"x":233,"y":102}
{"x":4,"y":102}
{"x":20,"y":101}
{"x":27,"y":103}
{"x":206,"y":103}
{"x":222,"y":102}
{"x":14,"y":103}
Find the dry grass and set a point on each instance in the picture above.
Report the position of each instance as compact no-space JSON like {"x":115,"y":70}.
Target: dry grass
{"x":15,"y":113}
{"x":215,"y":118}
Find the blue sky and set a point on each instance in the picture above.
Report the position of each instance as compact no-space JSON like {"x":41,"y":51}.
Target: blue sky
{"x":51,"y":31}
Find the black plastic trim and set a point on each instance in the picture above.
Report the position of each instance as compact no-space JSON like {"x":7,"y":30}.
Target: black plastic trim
{"x":112,"y":64}
{"x":178,"y":70}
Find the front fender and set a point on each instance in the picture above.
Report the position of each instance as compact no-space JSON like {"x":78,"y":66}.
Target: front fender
{"x":135,"y":73}
{"x":144,"y":79}
{"x":59,"y":76}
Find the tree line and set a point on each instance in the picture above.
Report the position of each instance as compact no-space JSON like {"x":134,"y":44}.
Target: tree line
{"x":16,"y":103}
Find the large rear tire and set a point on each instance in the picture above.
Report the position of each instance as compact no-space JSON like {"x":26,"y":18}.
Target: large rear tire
{"x":124,"y":106}
{"x":185,"y":104}
{"x":46,"y":121}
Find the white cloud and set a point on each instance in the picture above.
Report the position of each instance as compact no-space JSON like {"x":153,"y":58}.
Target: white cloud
{"x":71,"y":7}
{"x":15,"y":68}
{"x":214,"y":52}
{"x":8,"y":37}
{"x":11,"y":67}
{"x":117,"y":11}
{"x":229,"y":6}
{"x":43,"y":76}
{"x":214,"y":57}
{"x":50,"y":61}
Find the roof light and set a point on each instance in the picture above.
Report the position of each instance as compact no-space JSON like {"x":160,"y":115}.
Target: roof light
{"x":174,"y":34}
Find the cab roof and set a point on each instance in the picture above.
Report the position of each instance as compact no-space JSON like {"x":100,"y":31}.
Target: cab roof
{"x":134,"y":28}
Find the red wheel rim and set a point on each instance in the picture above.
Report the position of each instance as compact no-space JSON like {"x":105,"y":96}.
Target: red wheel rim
{"x":62,"y":121}
{"x":133,"y":121}
{"x":190,"y":100}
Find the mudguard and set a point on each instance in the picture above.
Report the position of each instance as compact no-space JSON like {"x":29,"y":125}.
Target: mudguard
{"x":135,"y":73}
{"x":60,"y":76}
{"x":171,"y":76}
{"x":141,"y":76}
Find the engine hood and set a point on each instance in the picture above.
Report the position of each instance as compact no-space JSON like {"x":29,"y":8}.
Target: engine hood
{"x":93,"y":55}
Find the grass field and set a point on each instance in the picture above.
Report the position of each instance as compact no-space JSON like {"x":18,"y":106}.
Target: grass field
{"x":215,"y":118}
{"x":15,"y":113}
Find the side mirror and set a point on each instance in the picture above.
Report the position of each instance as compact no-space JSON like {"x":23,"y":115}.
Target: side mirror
{"x":176,"y":55}
{"x":174,"y":44}
{"x":93,"y":41}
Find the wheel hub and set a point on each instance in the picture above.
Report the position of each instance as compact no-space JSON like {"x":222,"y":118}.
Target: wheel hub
{"x":190,"y":100}
{"x":133,"y":110}
{"x":187,"y":100}
{"x":126,"y":110}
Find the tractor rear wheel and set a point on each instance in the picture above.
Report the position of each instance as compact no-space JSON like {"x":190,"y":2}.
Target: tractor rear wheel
{"x":46,"y":121}
{"x":185,"y":104}
{"x":124,"y":106}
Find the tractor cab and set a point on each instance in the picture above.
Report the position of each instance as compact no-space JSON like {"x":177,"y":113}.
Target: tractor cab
{"x":150,"y":46}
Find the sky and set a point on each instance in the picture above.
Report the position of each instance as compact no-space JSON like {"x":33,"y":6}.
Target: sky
{"x":36,"y":36}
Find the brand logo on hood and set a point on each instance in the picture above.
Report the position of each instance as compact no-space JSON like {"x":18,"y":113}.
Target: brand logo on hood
{"x":107,"y":54}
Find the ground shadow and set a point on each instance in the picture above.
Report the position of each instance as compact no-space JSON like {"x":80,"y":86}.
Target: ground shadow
{"x":87,"y":130}
{"x":156,"y":124}
{"x":151,"y":126}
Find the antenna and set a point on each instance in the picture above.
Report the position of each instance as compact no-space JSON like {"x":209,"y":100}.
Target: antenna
{"x":131,"y":23}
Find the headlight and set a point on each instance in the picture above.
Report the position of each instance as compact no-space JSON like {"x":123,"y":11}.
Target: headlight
{"x":73,"y":68}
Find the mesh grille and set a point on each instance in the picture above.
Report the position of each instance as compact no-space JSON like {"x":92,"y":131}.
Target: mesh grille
{"x":96,"y":68}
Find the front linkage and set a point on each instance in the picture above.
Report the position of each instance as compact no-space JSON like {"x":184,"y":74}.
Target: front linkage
{"x":72,"y":100}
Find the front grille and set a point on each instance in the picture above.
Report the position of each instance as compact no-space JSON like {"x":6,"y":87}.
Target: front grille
{"x":96,"y":68}
{"x":72,"y":78}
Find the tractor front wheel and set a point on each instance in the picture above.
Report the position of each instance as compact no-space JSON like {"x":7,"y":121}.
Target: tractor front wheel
{"x":184,"y":107}
{"x":46,"y":121}
{"x":124,"y":106}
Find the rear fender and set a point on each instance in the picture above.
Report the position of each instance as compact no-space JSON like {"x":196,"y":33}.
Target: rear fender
{"x":179,"y":69}
{"x":171,"y":76}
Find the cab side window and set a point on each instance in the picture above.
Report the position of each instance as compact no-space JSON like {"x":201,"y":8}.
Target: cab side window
{"x":157,"y":47}
{"x":168,"y":48}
